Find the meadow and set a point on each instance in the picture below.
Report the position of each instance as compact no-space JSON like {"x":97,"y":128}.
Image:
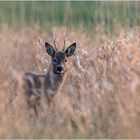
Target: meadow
{"x":101,"y":95}
{"x":89,"y":16}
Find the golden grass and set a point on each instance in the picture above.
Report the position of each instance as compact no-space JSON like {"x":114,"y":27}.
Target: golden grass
{"x":102,"y":101}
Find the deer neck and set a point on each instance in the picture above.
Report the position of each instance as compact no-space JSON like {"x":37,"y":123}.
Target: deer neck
{"x":54,"y":81}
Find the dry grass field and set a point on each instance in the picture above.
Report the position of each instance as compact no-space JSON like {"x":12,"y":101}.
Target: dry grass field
{"x":100,"y":97}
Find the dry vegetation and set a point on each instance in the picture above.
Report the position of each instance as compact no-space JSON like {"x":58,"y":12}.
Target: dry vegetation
{"x":100,"y":100}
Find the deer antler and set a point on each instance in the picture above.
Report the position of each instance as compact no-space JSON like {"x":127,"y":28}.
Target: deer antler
{"x":54,"y":39}
{"x":65,"y":39}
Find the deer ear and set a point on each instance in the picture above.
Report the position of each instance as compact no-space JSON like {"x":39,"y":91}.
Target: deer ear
{"x":70,"y":50}
{"x":49,"y":49}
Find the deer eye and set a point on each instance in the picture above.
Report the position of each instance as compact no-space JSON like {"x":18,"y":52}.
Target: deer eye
{"x":54,"y":60}
{"x":65,"y":60}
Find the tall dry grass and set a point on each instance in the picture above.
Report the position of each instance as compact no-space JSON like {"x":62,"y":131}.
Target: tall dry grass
{"x":100,"y":100}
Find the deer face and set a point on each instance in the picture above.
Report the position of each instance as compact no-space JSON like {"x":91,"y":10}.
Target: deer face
{"x":59,"y":58}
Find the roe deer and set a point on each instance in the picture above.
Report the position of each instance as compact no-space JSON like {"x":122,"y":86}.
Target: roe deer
{"x":50,"y":83}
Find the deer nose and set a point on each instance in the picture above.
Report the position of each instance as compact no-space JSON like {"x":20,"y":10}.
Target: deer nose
{"x":60,"y":69}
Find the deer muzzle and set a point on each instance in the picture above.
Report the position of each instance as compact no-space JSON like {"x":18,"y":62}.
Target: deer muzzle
{"x":60,"y":70}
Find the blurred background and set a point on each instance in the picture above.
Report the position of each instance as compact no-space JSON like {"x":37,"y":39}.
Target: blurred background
{"x":101,"y":95}
{"x":88,"y":15}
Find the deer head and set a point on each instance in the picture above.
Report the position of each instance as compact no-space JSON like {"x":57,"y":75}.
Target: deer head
{"x":59,"y":58}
